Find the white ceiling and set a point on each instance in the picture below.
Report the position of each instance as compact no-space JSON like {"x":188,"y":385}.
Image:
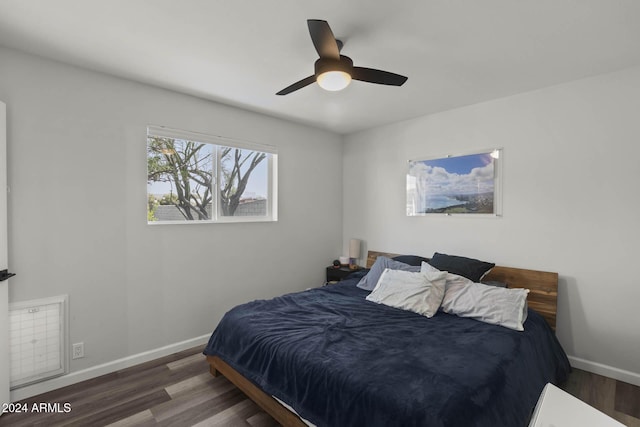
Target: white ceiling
{"x":241,"y":52}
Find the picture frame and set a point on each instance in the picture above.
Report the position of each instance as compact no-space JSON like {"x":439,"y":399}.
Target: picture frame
{"x":468,"y":184}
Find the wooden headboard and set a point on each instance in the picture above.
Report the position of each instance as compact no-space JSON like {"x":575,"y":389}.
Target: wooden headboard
{"x":542,"y":285}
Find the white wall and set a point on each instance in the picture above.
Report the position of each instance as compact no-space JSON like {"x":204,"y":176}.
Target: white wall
{"x":77,"y":210}
{"x":571,"y":202}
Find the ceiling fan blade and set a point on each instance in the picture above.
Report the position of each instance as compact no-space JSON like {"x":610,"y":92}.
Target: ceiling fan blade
{"x":297,"y":85}
{"x":323,"y":39}
{"x":377,"y":76}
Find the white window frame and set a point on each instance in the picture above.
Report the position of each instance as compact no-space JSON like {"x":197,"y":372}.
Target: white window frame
{"x":218,"y":142}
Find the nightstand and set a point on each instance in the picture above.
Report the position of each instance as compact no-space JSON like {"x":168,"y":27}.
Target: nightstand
{"x":337,"y":274}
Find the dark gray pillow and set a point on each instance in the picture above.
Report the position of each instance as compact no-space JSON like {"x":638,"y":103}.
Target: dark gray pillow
{"x":369,"y":281}
{"x":411,"y":259}
{"x":472,"y":269}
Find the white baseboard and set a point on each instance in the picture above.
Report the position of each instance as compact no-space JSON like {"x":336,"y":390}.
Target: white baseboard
{"x":605,"y":370}
{"x":106,"y":368}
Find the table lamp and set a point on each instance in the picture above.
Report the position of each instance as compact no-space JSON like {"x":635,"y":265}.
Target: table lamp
{"x":354,"y":253}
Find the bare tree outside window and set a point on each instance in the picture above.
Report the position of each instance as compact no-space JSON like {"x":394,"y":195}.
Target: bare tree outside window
{"x":235,"y":176}
{"x":187,"y":167}
{"x":181,"y":175}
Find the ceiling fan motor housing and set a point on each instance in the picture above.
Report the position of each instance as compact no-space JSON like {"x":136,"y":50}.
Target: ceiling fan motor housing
{"x":324,"y":65}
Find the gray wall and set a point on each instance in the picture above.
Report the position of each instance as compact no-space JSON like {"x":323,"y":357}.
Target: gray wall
{"x":77,"y":210}
{"x":571,"y":186}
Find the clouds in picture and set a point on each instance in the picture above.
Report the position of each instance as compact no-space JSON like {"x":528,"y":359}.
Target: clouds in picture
{"x":471,"y":174}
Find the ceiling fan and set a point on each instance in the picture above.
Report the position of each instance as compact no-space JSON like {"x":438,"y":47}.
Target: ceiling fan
{"x":333,"y":71}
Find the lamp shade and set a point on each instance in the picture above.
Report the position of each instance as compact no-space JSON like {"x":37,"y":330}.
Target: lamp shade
{"x":354,"y":248}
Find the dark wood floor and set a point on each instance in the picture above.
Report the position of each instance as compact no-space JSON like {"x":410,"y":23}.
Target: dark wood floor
{"x":178,"y":390}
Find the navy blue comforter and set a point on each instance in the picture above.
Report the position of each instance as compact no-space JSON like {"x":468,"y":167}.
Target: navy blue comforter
{"x":342,"y":361}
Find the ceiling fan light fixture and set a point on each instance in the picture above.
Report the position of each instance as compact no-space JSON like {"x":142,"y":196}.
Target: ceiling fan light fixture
{"x":334,"y":80}
{"x":334,"y":74}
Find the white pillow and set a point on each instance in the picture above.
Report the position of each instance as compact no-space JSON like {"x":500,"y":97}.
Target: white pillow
{"x":497,"y":306}
{"x":418,"y":292}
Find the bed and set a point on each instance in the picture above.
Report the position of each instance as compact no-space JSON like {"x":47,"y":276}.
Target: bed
{"x":336,"y":359}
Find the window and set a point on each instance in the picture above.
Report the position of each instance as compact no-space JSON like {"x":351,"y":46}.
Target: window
{"x":203,"y":178}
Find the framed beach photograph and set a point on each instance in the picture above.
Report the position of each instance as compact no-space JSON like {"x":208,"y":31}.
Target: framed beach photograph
{"x":466,"y":184}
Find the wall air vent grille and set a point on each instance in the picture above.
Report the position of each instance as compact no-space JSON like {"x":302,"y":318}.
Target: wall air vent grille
{"x":37,"y":338}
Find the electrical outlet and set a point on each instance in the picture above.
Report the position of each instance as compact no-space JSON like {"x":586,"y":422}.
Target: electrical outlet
{"x":78,"y":350}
